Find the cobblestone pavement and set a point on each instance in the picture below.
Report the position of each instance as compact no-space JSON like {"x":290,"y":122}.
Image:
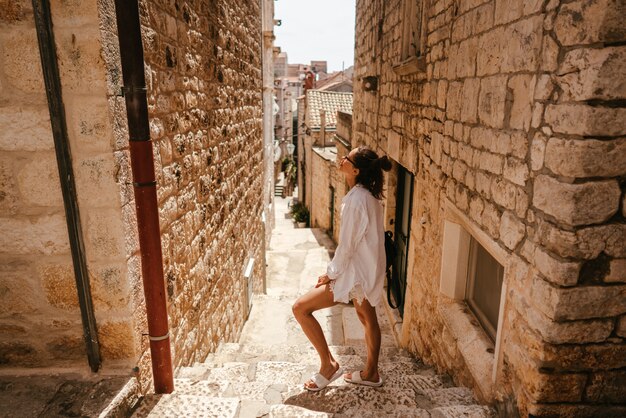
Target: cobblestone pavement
{"x":262,"y":374}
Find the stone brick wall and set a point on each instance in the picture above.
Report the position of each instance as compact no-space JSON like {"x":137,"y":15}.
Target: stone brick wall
{"x":203,"y":70}
{"x":518,"y":121}
{"x":203,"y":66}
{"x":321,"y":171}
{"x":40,"y":319}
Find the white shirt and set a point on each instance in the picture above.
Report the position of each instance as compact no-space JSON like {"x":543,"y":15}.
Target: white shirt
{"x":360,"y":255}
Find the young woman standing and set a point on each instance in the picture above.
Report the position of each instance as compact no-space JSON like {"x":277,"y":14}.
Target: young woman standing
{"x":356,"y":272}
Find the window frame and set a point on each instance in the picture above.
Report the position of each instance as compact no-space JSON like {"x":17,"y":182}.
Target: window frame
{"x":476,"y":309}
{"x":483,"y":356}
{"x":412,"y":57}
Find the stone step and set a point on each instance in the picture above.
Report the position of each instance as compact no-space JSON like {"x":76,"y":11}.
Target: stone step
{"x":301,"y":353}
{"x":179,"y":405}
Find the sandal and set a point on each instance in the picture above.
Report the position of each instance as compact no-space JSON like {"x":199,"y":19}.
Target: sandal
{"x":355,"y":378}
{"x":321,"y":382}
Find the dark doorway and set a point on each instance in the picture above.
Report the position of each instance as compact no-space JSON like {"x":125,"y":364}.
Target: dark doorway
{"x":404,"y":204}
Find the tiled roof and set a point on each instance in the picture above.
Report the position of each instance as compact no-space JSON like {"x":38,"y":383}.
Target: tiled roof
{"x":329,"y":101}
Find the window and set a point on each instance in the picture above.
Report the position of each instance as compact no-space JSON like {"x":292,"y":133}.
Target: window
{"x":473,"y":287}
{"x":413,"y":41}
{"x":413,"y":29}
{"x":484,"y":287}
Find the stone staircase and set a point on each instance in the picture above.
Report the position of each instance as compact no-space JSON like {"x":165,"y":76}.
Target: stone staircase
{"x":263,"y":374}
{"x":266,"y":381}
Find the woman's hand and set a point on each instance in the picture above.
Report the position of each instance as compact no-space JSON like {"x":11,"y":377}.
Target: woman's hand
{"x":322,"y":280}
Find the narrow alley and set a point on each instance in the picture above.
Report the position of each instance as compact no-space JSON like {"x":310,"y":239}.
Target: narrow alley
{"x":262,"y":375}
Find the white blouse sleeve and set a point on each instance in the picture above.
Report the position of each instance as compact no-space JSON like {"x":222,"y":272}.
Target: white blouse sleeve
{"x":354,"y":221}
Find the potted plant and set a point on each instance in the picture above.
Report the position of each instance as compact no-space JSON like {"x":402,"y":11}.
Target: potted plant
{"x":300,"y":214}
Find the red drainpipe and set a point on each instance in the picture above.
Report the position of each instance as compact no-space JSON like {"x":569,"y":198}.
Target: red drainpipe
{"x":144,"y":184}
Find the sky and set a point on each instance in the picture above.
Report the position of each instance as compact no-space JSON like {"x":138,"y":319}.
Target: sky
{"x":316,"y":30}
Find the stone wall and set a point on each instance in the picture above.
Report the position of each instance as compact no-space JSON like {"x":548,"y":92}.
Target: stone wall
{"x":203,"y":62}
{"x":40,"y":318}
{"x":517,"y":120}
{"x":203,"y":71}
{"x":322,"y":170}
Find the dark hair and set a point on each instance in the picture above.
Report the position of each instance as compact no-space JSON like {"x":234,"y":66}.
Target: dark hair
{"x":371,"y":170}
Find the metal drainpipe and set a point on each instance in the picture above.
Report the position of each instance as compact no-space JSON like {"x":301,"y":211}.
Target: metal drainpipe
{"x":144,"y":184}
{"x":50,"y":69}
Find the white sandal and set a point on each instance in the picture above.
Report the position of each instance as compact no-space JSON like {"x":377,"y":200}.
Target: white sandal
{"x":355,"y":377}
{"x":321,"y":382}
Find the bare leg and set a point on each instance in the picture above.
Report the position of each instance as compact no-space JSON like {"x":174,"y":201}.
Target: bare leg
{"x":367,"y":315}
{"x":316,"y":299}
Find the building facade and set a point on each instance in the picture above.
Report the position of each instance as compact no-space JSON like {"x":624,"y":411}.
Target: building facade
{"x":203,"y":66}
{"x":317,"y":116}
{"x":506,"y":123}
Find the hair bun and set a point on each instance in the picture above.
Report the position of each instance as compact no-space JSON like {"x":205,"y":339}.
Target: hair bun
{"x":385,"y":163}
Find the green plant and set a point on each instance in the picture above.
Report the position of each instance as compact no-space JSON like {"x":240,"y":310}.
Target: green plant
{"x":299,"y":212}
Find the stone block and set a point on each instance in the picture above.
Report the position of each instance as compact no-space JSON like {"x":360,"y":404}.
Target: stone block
{"x":586,"y":158}
{"x":108,"y":287}
{"x":607,"y":387}
{"x":81,"y":64}
{"x":39,"y":235}
{"x":538,"y":151}
{"x":579,"y":119}
{"x":9,"y":194}
{"x":17,"y":292}
{"x":512,"y":231}
{"x":67,"y":347}
{"x":576,"y":204}
{"x":492,"y":101}
{"x":25,"y":128}
{"x":38,"y":181}
{"x":73,"y":13}
{"x":491,"y":220}
{"x":89,"y":123}
{"x":620,"y":327}
{"x":523,"y":87}
{"x":509,"y":10}
{"x":544,"y":87}
{"x":20,"y":61}
{"x":617,"y":271}
{"x":104,"y":234}
{"x":491,"y":52}
{"x":19,"y":353}
{"x":568,"y":332}
{"x":442,"y":89}
{"x":489,"y":162}
{"x":562,"y":273}
{"x":556,"y":387}
{"x":503,"y":193}
{"x":593,"y":74}
{"x":454,"y":101}
{"x":523,"y":41}
{"x":587,"y":22}
{"x":116,"y":340}
{"x":14,"y":11}
{"x":549,"y":54}
{"x":516,"y":171}
{"x":575,"y":303}
{"x":96,"y":181}
{"x":469,"y":106}
{"x":59,"y":283}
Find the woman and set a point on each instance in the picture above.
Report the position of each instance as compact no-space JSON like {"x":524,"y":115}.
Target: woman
{"x":356,"y":272}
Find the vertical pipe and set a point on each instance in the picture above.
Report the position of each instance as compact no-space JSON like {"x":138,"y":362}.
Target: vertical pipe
{"x":52,"y":80}
{"x":144,"y":184}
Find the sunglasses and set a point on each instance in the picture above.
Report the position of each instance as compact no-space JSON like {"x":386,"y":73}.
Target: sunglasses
{"x":345,"y":157}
